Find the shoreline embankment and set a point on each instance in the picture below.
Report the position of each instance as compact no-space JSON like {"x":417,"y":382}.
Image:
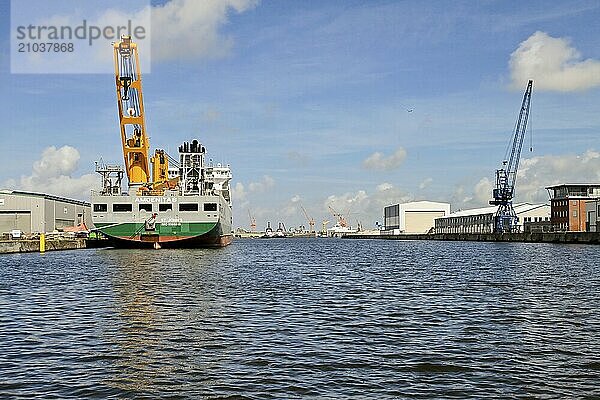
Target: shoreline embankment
{"x":536,"y":237}
{"x":33,"y":245}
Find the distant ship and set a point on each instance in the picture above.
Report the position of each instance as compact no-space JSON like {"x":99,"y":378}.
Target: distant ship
{"x":279,"y":233}
{"x":184,"y":202}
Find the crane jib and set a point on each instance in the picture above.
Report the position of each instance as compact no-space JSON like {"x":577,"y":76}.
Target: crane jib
{"x":131,"y":111}
{"x":506,"y":177}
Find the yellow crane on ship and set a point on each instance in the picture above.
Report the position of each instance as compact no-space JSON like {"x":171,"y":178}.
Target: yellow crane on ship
{"x":148,"y":179}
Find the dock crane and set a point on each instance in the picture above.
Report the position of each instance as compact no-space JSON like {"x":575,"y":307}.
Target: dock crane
{"x":252,"y":222}
{"x":311,"y":222}
{"x":505,"y":219}
{"x":341,"y":220}
{"x":324,"y":227}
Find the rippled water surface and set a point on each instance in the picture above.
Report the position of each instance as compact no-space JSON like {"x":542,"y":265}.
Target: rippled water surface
{"x":303,"y":318}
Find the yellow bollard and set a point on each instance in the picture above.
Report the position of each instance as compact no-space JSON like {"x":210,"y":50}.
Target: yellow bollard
{"x":42,"y":243}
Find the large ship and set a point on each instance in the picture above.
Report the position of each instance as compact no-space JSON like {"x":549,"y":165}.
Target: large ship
{"x":169,"y":202}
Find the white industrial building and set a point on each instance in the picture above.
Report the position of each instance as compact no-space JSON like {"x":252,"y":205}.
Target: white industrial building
{"x":481,"y":220}
{"x":30,"y":212}
{"x":413,"y":217}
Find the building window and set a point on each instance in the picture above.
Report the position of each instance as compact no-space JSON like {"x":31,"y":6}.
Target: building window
{"x":188,"y":206}
{"x":145,"y":207}
{"x":210,"y":206}
{"x":121,"y":207}
{"x":575,"y":213}
{"x":165,"y":207}
{"x":100,"y":208}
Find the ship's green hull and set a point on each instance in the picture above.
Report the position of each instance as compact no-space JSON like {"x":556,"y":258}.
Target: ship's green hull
{"x":188,"y":234}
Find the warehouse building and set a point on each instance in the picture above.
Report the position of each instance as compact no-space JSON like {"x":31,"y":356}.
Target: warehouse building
{"x":414,"y":217}
{"x":30,"y":212}
{"x":481,"y":220}
{"x":568,"y":204}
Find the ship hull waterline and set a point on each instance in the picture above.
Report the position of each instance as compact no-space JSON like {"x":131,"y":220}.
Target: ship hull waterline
{"x":132,"y":235}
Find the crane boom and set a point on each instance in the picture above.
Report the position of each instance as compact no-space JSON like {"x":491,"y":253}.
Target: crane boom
{"x":128,"y":79}
{"x":506,"y":177}
{"x":252,"y":222}
{"x":311,"y":222}
{"x":515,"y":154}
{"x":341,"y":220}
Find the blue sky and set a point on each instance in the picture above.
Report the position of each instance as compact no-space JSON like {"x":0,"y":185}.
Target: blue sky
{"x":305,"y":92}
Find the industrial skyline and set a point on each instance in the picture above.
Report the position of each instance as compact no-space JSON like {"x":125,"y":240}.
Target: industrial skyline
{"x":333,"y":103}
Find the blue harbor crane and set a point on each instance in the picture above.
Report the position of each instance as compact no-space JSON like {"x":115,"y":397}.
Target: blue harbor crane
{"x":505,"y":219}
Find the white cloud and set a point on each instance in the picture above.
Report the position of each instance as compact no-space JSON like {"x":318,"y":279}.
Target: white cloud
{"x":425,"y":183}
{"x":189,"y":29}
{"x":478,"y":196}
{"x":535,"y":174}
{"x":460,"y":199}
{"x":482,"y":193}
{"x":92,"y":56}
{"x":384,"y":186}
{"x":261,"y":186}
{"x":175,"y":30}
{"x":366,"y":207}
{"x":553,"y":64}
{"x":52,"y":174}
{"x":379,"y":161}
{"x":238,"y":192}
{"x":289,"y":211}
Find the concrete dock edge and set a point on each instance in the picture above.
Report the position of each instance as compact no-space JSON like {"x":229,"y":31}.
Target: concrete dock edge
{"x":553,"y":237}
{"x":33,"y":246}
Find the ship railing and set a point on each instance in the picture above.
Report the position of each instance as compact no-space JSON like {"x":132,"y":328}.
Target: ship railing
{"x":153,"y":192}
{"x":106,"y":193}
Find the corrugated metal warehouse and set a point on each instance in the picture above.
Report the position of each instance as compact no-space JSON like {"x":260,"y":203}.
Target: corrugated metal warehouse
{"x":40,"y":213}
{"x":481,"y":220}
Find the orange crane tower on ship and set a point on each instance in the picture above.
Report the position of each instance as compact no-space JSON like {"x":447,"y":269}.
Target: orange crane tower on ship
{"x":134,"y":138}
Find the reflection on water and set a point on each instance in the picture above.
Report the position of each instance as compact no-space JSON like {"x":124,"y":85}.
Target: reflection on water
{"x":299,"y":318}
{"x":136,"y":315}
{"x":161,"y":306}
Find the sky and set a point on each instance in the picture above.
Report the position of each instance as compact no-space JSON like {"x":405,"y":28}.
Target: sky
{"x":349,"y":104}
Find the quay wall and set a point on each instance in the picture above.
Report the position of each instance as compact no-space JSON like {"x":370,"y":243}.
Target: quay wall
{"x":31,"y":246}
{"x":537,"y":237}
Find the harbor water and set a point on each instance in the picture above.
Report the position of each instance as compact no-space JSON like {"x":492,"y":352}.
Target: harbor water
{"x":299,"y":318}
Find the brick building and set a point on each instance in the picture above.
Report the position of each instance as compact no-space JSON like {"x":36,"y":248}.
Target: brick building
{"x":568,"y":205}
